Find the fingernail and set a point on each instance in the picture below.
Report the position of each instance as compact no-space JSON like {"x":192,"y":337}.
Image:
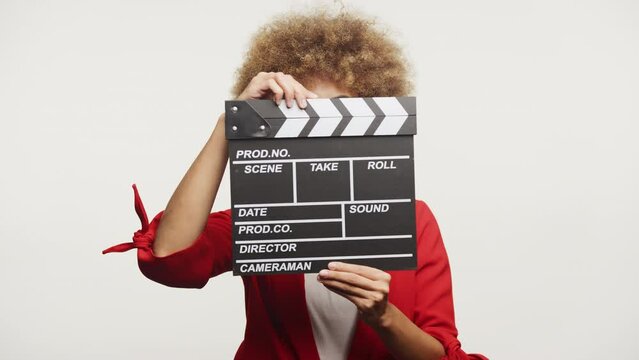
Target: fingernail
{"x":323,"y":273}
{"x":303,"y":103}
{"x":332,"y":265}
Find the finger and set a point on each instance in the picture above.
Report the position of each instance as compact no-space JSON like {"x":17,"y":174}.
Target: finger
{"x":346,"y":288}
{"x":300,"y":96}
{"x":278,"y":92}
{"x":287,"y":86}
{"x":306,"y":92}
{"x":358,"y":301}
{"x":366,"y":271}
{"x":301,"y":93}
{"x":352,"y":279}
{"x":261,"y":76}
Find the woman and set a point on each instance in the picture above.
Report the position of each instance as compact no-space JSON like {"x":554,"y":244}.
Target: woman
{"x":345,"y":311}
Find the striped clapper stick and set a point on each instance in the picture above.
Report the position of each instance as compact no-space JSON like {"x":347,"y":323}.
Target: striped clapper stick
{"x":333,"y":181}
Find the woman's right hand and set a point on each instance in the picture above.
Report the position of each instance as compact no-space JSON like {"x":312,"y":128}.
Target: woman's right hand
{"x":277,"y":85}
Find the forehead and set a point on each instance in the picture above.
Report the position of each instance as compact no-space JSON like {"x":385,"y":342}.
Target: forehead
{"x":327,"y":89}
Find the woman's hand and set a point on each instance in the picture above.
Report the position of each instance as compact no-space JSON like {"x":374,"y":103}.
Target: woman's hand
{"x":364,"y":286}
{"x":276,"y":85}
{"x":367,"y":288}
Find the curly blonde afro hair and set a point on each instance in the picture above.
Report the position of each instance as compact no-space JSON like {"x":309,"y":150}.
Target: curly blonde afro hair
{"x":344,"y":48}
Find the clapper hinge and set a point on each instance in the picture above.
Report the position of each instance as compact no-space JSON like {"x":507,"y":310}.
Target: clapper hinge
{"x":242,"y":121}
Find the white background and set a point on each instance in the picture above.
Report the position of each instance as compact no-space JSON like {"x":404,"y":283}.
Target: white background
{"x":527,"y":153}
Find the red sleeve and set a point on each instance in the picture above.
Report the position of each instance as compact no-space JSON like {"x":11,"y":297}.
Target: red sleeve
{"x":434,"y":303}
{"x":208,"y":256}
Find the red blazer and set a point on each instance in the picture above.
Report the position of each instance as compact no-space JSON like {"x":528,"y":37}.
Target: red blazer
{"x":277,"y":325}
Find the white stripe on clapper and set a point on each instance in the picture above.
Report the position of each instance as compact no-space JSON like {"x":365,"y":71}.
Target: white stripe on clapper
{"x":289,"y":221}
{"x":363,"y":116}
{"x":323,"y":239}
{"x":343,"y":222}
{"x":396,"y":115}
{"x":294,"y":165}
{"x":357,"y":158}
{"x":329,"y":117}
{"x":381,"y":256}
{"x":314,"y":203}
{"x":296,"y":119}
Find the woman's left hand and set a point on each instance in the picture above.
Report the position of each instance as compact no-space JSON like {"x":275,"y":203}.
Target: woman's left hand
{"x":364,"y":286}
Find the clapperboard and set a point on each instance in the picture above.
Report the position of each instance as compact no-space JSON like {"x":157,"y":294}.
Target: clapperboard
{"x":333,"y":181}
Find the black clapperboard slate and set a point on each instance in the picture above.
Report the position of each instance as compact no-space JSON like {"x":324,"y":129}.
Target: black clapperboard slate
{"x":334,"y":181}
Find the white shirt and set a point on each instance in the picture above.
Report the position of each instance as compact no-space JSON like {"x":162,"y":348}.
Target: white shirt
{"x":333,"y":319}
